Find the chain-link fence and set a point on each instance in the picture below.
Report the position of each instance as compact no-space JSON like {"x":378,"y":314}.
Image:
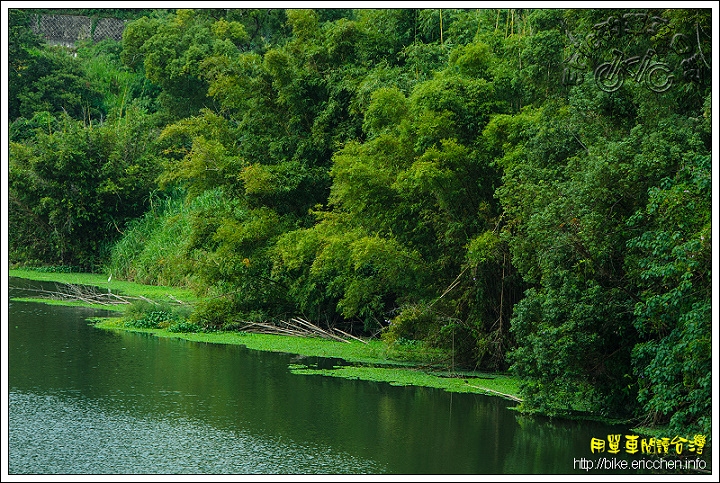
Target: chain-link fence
{"x":68,"y":29}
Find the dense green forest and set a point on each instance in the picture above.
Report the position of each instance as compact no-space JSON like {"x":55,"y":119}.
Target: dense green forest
{"x":529,"y":190}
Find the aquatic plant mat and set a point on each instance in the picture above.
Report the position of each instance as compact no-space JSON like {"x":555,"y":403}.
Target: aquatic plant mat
{"x":466,"y":383}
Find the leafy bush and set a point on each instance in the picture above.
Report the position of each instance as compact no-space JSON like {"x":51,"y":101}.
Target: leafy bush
{"x":157,"y":319}
{"x":143,"y":314}
{"x":184,"y":326}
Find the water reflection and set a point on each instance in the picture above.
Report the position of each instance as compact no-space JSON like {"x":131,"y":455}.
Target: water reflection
{"x":84,"y":400}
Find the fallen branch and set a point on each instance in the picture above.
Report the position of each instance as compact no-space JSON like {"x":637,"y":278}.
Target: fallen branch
{"x":270,"y":329}
{"x":296,"y":327}
{"x":509,"y":396}
{"x":90,"y":295}
{"x":177,"y":300}
{"x":350,"y":335}
{"x":318,"y":330}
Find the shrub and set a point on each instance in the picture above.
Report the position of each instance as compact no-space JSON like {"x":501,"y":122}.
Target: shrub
{"x":157,"y":319}
{"x":184,"y":326}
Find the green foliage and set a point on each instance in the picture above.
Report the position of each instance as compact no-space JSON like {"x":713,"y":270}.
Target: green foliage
{"x":120,"y":88}
{"x":387,"y":31}
{"x":671,"y":262}
{"x":157,"y":319}
{"x":171,"y":50}
{"x":386,"y":111}
{"x":77,"y":186}
{"x":52,"y":80}
{"x":577,"y":175}
{"x":184,"y":327}
{"x":22,"y":45}
{"x":412,"y":194}
{"x":423,"y":174}
{"x":334,"y":271}
{"x":146,"y":314}
{"x":153,"y":248}
{"x":473,"y":60}
{"x":413,"y":323}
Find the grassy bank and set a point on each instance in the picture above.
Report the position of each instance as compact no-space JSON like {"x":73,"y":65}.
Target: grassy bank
{"x":373,"y":361}
{"x":130,"y":289}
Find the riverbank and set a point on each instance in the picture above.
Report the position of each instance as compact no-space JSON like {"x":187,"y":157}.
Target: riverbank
{"x":131,"y":289}
{"x":371,"y":360}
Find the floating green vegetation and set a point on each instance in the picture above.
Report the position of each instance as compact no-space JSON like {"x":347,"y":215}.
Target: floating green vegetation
{"x":374,"y":352}
{"x":375,"y":360}
{"x":374,"y":357}
{"x":497,"y":385}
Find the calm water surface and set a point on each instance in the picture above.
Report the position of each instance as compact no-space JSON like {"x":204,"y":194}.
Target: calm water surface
{"x":89,"y":401}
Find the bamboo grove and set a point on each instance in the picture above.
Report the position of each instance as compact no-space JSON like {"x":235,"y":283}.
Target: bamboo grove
{"x":529,"y":189}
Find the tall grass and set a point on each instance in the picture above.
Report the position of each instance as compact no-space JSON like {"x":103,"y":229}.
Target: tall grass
{"x":106,"y":73}
{"x":152,"y":249}
{"x":155,"y":249}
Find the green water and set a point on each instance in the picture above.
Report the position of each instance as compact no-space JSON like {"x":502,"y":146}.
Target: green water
{"x":89,"y":401}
